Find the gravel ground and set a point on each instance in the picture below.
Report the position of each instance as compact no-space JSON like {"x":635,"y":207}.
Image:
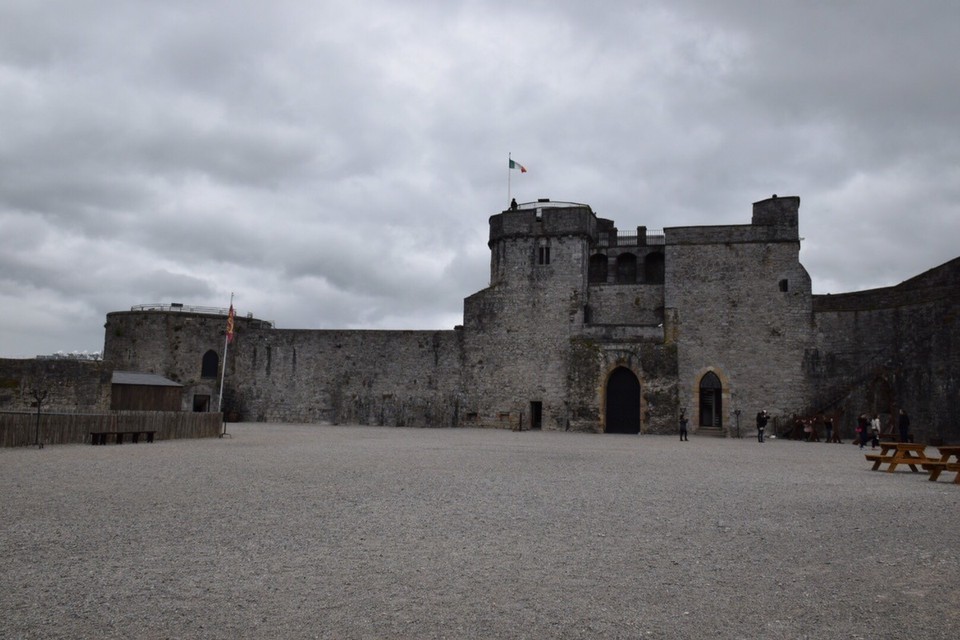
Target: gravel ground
{"x":299,"y":531}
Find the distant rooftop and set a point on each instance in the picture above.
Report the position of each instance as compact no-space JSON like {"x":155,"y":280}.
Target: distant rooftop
{"x":73,"y":355}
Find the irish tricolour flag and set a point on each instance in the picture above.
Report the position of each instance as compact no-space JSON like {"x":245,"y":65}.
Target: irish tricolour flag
{"x":517,"y":165}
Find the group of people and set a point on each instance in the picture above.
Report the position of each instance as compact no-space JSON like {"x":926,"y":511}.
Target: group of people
{"x":808,"y":429}
{"x":868,"y":429}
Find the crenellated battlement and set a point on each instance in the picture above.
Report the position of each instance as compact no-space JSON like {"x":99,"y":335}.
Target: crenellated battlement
{"x":543,"y":219}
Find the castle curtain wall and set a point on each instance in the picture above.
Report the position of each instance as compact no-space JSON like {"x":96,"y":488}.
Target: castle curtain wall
{"x":70,"y":385}
{"x":366,"y":377}
{"x":396,"y":378}
{"x":906,"y":337}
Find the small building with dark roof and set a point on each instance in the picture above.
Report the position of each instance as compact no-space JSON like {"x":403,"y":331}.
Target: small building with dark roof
{"x":134,"y":391}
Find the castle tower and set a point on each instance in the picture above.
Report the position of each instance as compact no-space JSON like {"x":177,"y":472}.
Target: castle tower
{"x":517,"y":330}
{"x":742,"y":305}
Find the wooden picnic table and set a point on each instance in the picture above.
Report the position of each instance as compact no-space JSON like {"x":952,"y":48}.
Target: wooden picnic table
{"x":907,"y":453}
{"x":936,"y":467}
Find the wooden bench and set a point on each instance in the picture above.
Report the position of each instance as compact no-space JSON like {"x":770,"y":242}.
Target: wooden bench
{"x":101,"y":437}
{"x":937,"y":467}
{"x":878,"y":459}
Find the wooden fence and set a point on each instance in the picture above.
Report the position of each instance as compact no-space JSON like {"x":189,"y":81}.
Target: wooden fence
{"x":20,"y":429}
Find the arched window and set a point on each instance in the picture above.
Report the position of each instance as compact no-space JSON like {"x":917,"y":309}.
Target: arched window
{"x":711,"y":400}
{"x":598,"y":268}
{"x":626,"y":268}
{"x":653,"y":268}
{"x":210,"y":366}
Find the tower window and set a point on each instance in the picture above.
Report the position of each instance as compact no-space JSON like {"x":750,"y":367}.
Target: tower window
{"x":543,"y":257}
{"x":210,"y":364}
{"x":784,"y":285}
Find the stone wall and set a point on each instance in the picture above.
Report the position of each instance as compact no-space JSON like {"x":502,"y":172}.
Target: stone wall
{"x":367,"y":377}
{"x":623,"y":304}
{"x":741,"y":302}
{"x":71,"y":385}
{"x":171,"y":344}
{"x":397,"y":378}
{"x":883,"y":349}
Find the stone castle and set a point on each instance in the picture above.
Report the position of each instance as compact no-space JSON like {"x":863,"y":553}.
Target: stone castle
{"x":591,"y":328}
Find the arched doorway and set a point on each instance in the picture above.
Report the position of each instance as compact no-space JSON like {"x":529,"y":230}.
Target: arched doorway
{"x":623,"y":402}
{"x":711,"y":401}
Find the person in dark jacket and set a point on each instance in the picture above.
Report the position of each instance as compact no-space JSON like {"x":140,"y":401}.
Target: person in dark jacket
{"x":762,"y":418}
{"x":903,"y":424}
{"x":863,"y":429}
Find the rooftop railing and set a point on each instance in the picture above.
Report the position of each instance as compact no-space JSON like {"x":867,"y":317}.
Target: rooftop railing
{"x":630,"y":238}
{"x":546,"y":203}
{"x":190,"y":308}
{"x":176,"y":306}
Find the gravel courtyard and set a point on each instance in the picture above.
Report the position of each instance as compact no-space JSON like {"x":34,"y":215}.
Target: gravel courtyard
{"x":299,"y":531}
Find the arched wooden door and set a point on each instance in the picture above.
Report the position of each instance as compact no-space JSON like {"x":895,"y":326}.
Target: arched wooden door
{"x":623,"y":402}
{"x":711,"y":401}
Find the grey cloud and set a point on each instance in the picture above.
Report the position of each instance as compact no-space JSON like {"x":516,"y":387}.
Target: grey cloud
{"x":335,"y":164}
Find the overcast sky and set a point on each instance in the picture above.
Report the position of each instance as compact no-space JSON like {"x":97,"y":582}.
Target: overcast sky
{"x":335,"y":163}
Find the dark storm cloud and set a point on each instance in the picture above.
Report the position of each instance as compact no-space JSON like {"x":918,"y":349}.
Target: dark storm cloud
{"x":335,"y":164}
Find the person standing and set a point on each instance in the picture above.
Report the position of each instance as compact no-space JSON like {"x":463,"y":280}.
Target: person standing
{"x":683,"y":427}
{"x":762,"y":418}
{"x":875,"y":431}
{"x":828,"y":428}
{"x":863,"y":426}
{"x":903,"y":425}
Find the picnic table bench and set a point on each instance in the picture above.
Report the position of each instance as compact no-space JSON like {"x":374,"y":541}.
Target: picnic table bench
{"x":907,"y":453}
{"x":936,"y":467}
{"x":101,"y":437}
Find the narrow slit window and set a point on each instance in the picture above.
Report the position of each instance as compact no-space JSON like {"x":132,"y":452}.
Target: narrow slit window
{"x":784,"y":285}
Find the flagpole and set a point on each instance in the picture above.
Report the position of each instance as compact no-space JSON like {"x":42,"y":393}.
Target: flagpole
{"x":509,"y":193}
{"x":223,"y":374}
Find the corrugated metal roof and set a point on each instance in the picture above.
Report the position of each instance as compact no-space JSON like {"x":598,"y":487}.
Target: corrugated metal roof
{"x":146,"y":379}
